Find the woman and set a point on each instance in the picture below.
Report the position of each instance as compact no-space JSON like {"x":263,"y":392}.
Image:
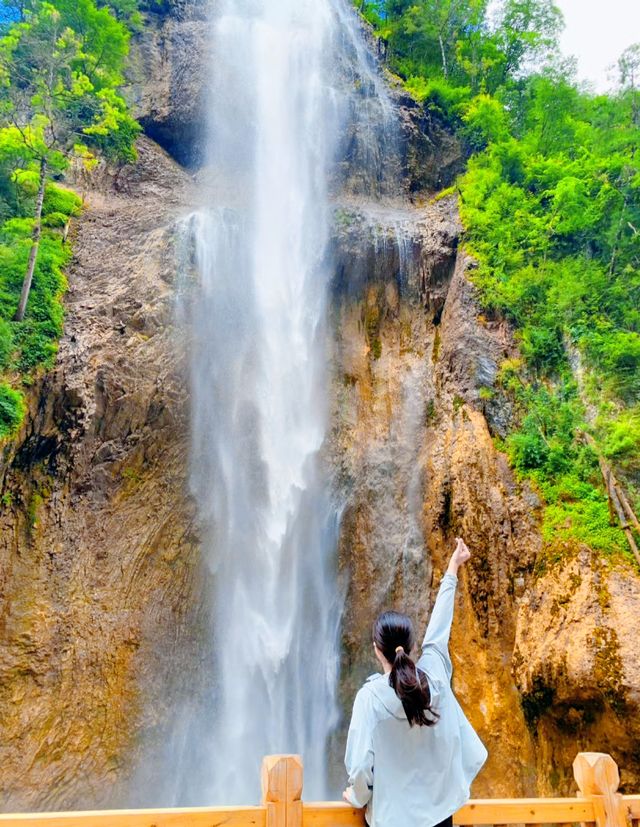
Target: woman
{"x":411,"y":752}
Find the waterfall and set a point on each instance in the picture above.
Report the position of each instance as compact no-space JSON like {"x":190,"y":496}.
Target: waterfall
{"x":259,"y":407}
{"x":296,"y":117}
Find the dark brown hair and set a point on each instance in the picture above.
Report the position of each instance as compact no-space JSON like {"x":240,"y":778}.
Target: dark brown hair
{"x":393,"y":635}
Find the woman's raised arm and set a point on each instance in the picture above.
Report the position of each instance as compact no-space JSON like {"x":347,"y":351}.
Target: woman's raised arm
{"x":439,"y":626}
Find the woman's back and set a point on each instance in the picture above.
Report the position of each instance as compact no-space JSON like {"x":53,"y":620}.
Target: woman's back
{"x":414,"y":776}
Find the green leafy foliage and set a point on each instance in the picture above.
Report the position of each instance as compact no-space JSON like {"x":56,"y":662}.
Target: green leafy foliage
{"x":61,"y":201}
{"x":126,"y":10}
{"x":33,"y":341}
{"x":619,"y":432}
{"x":485,"y":121}
{"x":550,"y":213}
{"x":61,"y":66}
{"x":550,"y":201}
{"x":11,"y":410}
{"x":6,"y":343}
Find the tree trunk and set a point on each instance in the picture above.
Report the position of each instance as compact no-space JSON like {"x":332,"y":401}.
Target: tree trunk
{"x":35,"y":241}
{"x":444,"y":57}
{"x":619,"y":505}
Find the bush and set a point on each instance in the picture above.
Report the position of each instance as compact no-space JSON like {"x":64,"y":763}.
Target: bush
{"x":586,"y":521}
{"x":58,"y":199}
{"x":620,"y":356}
{"x":32,"y":343}
{"x":55,"y":220}
{"x":440,"y":95}
{"x":12,"y":410}
{"x":620,"y":437}
{"x":485,"y":122}
{"x":526,"y":451}
{"x":542,"y":347}
{"x":6,"y":343}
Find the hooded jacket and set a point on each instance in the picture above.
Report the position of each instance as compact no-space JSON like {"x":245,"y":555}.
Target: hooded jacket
{"x":414,"y":776}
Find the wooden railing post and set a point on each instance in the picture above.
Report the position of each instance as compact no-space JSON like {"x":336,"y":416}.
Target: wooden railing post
{"x":597,"y":777}
{"x":282,"y":790}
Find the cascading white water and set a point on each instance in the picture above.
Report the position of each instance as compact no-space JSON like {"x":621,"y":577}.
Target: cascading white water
{"x":295,"y":102}
{"x":259,"y":395}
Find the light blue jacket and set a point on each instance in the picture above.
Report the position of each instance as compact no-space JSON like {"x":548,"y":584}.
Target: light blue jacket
{"x":414,"y":776}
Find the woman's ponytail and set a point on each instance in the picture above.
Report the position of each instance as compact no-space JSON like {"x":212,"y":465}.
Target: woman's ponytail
{"x":393,"y":635}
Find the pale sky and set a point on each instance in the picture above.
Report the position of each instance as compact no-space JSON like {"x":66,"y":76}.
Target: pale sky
{"x":596,"y":32}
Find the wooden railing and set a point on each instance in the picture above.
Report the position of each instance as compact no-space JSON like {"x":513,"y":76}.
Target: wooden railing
{"x":597,"y":803}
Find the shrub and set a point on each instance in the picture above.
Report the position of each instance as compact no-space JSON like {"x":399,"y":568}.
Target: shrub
{"x":620,"y":438}
{"x":585,"y":520}
{"x":526,"y":451}
{"x":27,"y":345}
{"x":6,"y":343}
{"x":12,"y":409}
{"x":55,"y":220}
{"x":440,"y":95}
{"x":58,"y":199}
{"x":485,"y":122}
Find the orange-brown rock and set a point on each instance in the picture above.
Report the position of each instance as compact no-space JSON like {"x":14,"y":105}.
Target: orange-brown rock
{"x":576,"y":663}
{"x":418,"y":466}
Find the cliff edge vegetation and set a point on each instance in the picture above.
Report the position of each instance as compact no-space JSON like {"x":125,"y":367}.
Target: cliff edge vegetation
{"x":550,"y":202}
{"x":61,"y":67}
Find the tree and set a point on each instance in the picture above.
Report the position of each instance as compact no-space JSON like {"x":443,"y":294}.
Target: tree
{"x":629,"y":65}
{"x":60,"y":67}
{"x":424,"y":36}
{"x":629,"y":68}
{"x":527,"y":32}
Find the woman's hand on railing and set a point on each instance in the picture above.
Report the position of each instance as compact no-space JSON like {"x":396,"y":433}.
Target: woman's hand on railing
{"x":345,"y":795}
{"x":460,"y":555}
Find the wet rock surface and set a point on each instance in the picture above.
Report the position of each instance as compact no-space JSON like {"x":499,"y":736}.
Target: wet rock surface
{"x":397,"y":247}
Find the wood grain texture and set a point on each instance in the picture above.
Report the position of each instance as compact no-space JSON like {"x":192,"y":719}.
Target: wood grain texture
{"x":179,"y":817}
{"x":597,"y":803}
{"x":597,"y":777}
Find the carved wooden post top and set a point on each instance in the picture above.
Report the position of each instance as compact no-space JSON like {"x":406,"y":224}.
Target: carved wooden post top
{"x":596,"y":773}
{"x":282,"y":777}
{"x":597,"y":776}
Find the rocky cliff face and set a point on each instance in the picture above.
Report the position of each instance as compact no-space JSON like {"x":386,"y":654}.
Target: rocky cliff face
{"x":97,"y":559}
{"x":544,"y":659}
{"x":576,"y":665}
{"x":167,"y":78}
{"x":101,"y":586}
{"x":417,"y":467}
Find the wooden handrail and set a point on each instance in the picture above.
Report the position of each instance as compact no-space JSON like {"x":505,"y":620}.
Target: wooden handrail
{"x":597,"y":802}
{"x":632,"y":804}
{"x":174,"y":817}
